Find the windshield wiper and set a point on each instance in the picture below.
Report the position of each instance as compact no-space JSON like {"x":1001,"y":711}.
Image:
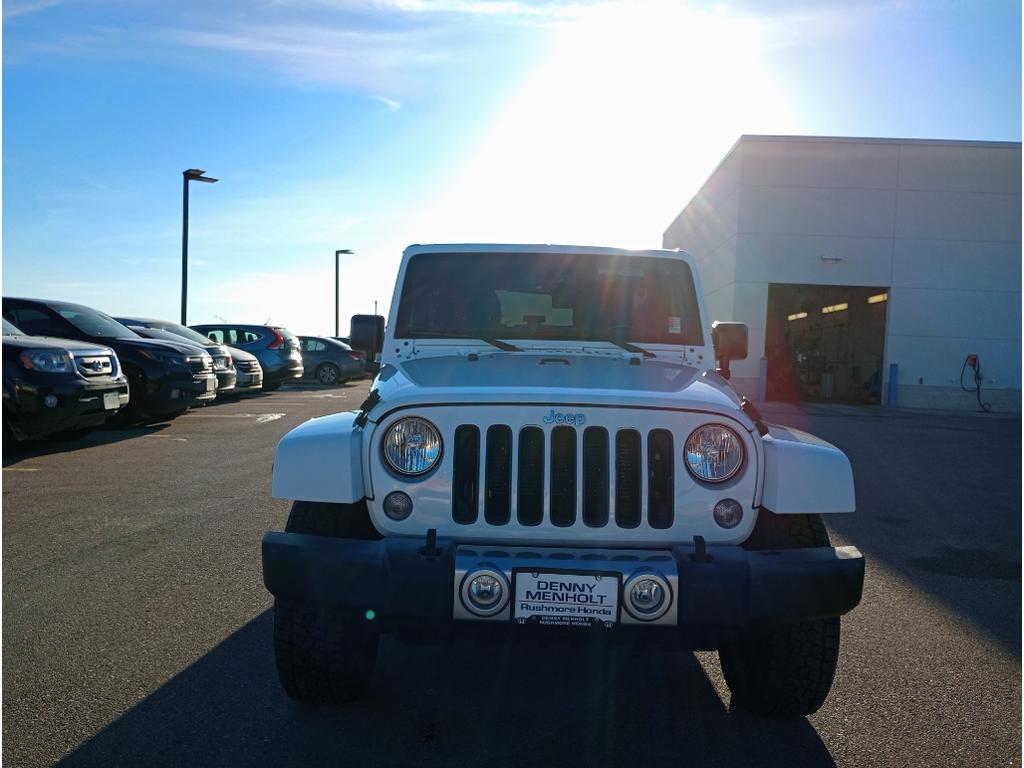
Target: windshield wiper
{"x":628,"y":347}
{"x":504,"y":346}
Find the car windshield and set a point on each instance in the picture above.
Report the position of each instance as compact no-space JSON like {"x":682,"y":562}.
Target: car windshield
{"x":10,"y":329}
{"x":93,"y":323}
{"x":578,"y":297}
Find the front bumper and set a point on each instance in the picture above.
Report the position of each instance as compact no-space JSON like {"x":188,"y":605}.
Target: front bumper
{"x":80,"y":403}
{"x":176,"y":392}
{"x":402,"y":583}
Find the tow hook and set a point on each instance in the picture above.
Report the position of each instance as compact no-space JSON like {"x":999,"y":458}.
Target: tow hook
{"x":700,"y":551}
{"x":431,"y":550}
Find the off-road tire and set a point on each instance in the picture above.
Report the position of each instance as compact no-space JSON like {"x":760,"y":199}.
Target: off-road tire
{"x":324,"y":655}
{"x":783,"y":670}
{"x":329,"y":375}
{"x":342,"y":521}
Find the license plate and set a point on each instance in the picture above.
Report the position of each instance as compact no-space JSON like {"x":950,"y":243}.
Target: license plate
{"x":111,"y":401}
{"x":566,"y":599}
{"x":211,"y":384}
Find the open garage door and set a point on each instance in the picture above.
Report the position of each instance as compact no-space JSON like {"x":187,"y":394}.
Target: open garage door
{"x":825,"y":343}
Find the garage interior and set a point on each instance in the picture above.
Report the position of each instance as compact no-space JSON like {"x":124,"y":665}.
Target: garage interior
{"x":825,"y":343}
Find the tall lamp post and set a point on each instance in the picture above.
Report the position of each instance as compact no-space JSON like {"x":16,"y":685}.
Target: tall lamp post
{"x":192,"y":174}
{"x":337,"y":290}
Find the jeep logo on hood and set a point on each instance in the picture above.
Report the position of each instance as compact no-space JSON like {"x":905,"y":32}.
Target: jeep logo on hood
{"x":564,"y":418}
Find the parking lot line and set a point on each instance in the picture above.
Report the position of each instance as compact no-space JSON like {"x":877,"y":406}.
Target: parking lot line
{"x":21,"y":469}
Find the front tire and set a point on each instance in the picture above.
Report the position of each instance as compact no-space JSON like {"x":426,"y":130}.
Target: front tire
{"x":783,"y":670}
{"x":324,"y":655}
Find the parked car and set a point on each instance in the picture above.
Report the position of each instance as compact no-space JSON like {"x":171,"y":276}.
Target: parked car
{"x":248,"y":370}
{"x":330,"y":361}
{"x":223,"y":366}
{"x":276,"y":348}
{"x":369,"y":365}
{"x":164,"y":377}
{"x":57,"y":388}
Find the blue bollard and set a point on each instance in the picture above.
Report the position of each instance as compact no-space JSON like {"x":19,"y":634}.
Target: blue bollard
{"x":762,"y":382}
{"x":893,"y":380}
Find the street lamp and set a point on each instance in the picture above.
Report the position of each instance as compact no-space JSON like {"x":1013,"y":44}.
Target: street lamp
{"x":192,"y":174}
{"x":337,"y":291}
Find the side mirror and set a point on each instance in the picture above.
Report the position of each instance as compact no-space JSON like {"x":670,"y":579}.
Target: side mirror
{"x":367,"y":335}
{"x":730,"y":343}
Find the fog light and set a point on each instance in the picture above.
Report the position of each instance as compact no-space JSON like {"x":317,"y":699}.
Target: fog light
{"x":484,"y":592}
{"x":397,"y":505}
{"x":728,"y":513}
{"x":647,"y":596}
{"x":50,"y":401}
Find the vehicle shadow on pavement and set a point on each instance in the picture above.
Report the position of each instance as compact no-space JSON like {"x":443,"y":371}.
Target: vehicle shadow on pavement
{"x":30,"y":449}
{"x":938,"y":502}
{"x":461,"y":705}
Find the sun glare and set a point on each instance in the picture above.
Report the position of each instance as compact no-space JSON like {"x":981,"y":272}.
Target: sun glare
{"x":615,"y":130}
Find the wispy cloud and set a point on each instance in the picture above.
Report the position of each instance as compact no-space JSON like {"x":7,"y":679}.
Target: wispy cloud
{"x":389,"y":103}
{"x":14,"y":8}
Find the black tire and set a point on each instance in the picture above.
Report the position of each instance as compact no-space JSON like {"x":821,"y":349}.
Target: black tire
{"x":324,"y":655}
{"x":328,"y":375}
{"x":783,"y":670}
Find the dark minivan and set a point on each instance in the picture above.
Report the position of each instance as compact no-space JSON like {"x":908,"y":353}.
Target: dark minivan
{"x":275,"y":347}
{"x":57,"y":388}
{"x":148,"y":328}
{"x":164,"y":377}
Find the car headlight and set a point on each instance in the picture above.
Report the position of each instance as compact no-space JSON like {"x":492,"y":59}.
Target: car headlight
{"x":713,"y":453}
{"x":47,"y":360}
{"x":170,"y":359}
{"x":412,"y":446}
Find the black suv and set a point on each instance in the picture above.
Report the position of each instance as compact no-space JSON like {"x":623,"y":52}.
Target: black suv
{"x":148,"y":328}
{"x":57,"y":388}
{"x":275,"y":347}
{"x":164,"y":377}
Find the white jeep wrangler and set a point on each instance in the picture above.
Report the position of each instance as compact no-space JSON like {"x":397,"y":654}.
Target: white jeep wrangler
{"x":548,"y":448}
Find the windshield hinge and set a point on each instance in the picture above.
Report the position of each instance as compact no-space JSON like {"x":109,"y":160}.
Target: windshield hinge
{"x":364,"y":410}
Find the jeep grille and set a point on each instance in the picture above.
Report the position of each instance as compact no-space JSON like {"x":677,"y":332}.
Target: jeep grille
{"x":552,"y":460}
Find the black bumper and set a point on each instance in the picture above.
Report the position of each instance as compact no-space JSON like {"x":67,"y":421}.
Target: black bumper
{"x":80,"y":403}
{"x":174,"y":393}
{"x":395,"y":578}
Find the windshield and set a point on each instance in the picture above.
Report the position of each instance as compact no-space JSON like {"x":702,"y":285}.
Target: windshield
{"x":159,"y":333}
{"x":11,"y":330}
{"x":93,"y":323}
{"x":549,"y":296}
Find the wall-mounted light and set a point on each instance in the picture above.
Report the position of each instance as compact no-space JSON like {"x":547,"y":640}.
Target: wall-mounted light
{"x":878,"y":298}
{"x":797,"y":316}
{"x":834,"y":308}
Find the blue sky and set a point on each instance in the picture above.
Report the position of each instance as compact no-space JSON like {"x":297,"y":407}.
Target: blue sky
{"x":372,"y":124}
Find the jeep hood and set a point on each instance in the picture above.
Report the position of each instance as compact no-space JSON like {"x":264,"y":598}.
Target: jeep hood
{"x":548,"y":379}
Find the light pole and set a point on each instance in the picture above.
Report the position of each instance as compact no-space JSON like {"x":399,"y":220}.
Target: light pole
{"x":337,"y":290}
{"x":192,"y":174}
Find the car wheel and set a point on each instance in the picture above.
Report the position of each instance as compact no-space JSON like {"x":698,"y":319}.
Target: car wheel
{"x":324,"y":655}
{"x":783,"y":670}
{"x":328,"y":374}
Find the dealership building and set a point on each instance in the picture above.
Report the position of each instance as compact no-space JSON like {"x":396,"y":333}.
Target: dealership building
{"x":867,"y":270}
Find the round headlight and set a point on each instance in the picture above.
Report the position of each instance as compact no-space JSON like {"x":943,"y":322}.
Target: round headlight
{"x":412,"y":446}
{"x":713,"y":453}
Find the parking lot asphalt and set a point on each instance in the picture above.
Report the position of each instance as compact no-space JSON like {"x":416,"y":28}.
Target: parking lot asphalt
{"x":136,"y":630}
